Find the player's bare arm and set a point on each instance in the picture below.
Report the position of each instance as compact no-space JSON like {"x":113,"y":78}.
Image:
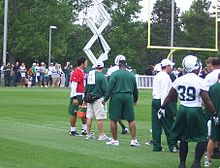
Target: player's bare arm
{"x":170,"y":97}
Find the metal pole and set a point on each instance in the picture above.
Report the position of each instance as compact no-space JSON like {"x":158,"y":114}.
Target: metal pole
{"x":49,"y":59}
{"x":5,"y":32}
{"x":172,"y":28}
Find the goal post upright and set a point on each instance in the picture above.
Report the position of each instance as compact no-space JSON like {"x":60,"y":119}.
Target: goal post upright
{"x":177,"y":48}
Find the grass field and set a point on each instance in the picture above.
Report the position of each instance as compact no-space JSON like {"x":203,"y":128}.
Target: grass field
{"x":34,"y":126}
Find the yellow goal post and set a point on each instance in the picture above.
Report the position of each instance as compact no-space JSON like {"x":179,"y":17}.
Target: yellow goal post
{"x":174,"y":48}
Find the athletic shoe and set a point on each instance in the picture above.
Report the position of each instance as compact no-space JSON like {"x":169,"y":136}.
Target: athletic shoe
{"x":125,"y":131}
{"x":175,"y":150}
{"x":196,"y":165}
{"x":208,"y":163}
{"x":74,"y":133}
{"x":149,"y":143}
{"x":91,"y":136}
{"x":104,"y":138}
{"x":182,"y":166}
{"x":113,"y":142}
{"x":158,"y":150}
{"x":84,"y":132}
{"x":135,"y":143}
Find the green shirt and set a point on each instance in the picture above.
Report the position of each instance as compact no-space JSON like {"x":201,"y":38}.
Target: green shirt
{"x":100,"y":86}
{"x":33,"y":70}
{"x":214,"y":95}
{"x":122,"y":81}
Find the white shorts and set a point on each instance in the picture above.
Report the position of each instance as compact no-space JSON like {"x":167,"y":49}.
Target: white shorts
{"x":97,"y":110}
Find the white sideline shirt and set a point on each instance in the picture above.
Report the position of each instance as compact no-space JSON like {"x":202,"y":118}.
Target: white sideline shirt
{"x":161,"y":86}
{"x":188,"y":88}
{"x":212,"y":77}
{"x":112,"y":69}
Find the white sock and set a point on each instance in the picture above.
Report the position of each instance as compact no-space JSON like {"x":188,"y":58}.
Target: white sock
{"x":72,"y":128}
{"x":84,"y":127}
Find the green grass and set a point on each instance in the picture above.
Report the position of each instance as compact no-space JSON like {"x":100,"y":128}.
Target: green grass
{"x":34,"y":126}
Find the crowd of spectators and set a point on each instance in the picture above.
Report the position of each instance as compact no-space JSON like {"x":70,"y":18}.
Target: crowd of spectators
{"x":37,"y":75}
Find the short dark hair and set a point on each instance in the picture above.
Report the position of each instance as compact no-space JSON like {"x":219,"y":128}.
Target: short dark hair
{"x":122,"y":63}
{"x":209,"y":60}
{"x":81,"y":60}
{"x":216,"y":61}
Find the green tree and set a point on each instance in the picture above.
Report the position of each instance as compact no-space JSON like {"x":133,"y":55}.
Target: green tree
{"x":199,"y":26}
{"x":125,"y":34}
{"x":28,"y":29}
{"x":161,"y":29}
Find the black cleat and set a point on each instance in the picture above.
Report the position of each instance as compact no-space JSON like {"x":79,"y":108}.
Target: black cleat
{"x":182,"y":166}
{"x":124,"y":131}
{"x":196,"y":165}
{"x":74,"y":133}
{"x":83,"y":132}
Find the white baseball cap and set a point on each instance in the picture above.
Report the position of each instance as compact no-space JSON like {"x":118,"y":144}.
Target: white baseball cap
{"x":166,"y":62}
{"x":99,"y":64}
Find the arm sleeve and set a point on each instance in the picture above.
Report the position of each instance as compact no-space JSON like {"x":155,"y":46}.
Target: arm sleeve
{"x":165,"y":88}
{"x":104,"y":85}
{"x":73,"y":89}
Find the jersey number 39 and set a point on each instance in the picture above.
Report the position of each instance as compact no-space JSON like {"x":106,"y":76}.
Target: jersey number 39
{"x":187,"y":93}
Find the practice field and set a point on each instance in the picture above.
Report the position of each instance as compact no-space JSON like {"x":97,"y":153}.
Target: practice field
{"x":34,"y":126}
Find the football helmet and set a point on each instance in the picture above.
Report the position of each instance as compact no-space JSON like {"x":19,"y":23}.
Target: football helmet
{"x":119,"y":58}
{"x":191,"y":63}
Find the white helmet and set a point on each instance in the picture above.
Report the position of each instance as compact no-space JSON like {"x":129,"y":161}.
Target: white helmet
{"x":191,"y":63}
{"x":119,"y":58}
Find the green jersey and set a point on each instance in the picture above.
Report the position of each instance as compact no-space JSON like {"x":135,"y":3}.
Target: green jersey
{"x":122,"y":81}
{"x":214,"y":95}
{"x":99,"y":87}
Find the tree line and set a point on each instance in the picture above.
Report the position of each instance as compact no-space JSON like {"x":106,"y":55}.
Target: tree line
{"x":29,"y":21}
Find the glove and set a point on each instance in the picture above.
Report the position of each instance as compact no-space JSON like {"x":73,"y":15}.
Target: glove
{"x":215,"y":119}
{"x":161,"y":113}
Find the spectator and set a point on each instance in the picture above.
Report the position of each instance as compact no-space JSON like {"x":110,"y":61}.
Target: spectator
{"x":13,"y":76}
{"x":22,"y":70}
{"x":33,"y":74}
{"x":42,"y":71}
{"x":67,"y":71}
{"x":17,"y":73}
{"x":7,"y":74}
{"x":37,"y":74}
{"x":49,"y":78}
{"x":149,"y":70}
{"x":55,"y":75}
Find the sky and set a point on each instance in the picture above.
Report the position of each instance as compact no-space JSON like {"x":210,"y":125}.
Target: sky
{"x":182,"y":4}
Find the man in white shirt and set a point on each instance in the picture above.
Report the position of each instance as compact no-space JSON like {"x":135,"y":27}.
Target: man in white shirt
{"x":212,"y":77}
{"x":161,"y":87}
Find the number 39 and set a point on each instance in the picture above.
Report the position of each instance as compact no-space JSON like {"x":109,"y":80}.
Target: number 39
{"x":187,"y":94}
